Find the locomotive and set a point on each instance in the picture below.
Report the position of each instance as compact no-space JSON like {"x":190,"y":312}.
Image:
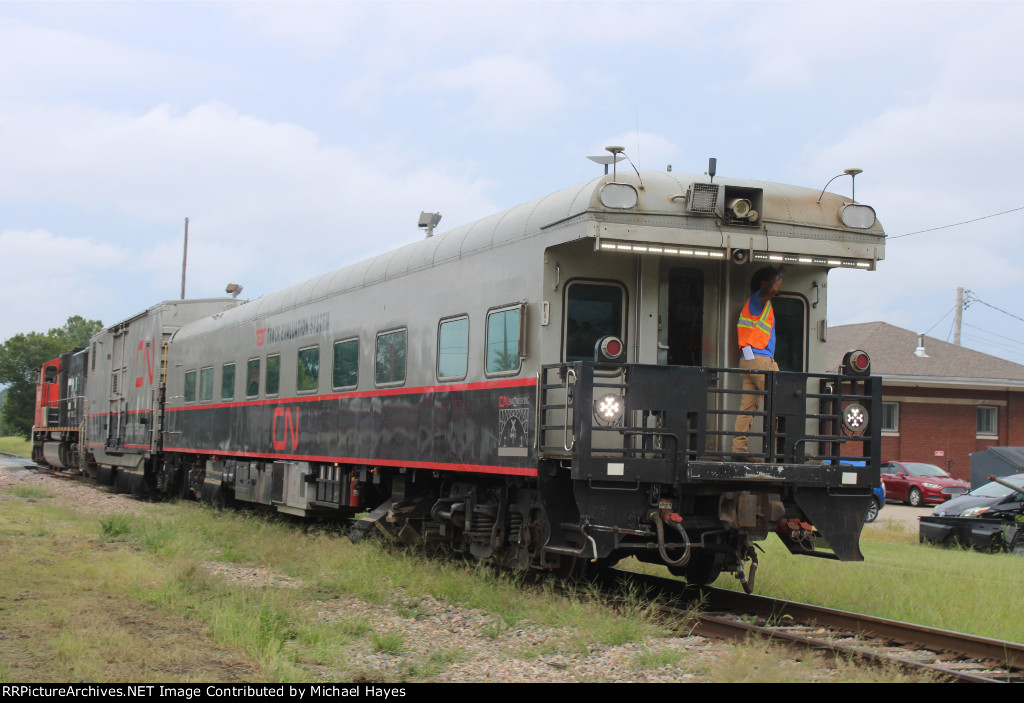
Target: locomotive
{"x":552,"y":387}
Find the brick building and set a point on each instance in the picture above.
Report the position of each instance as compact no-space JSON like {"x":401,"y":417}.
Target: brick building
{"x":941,"y":406}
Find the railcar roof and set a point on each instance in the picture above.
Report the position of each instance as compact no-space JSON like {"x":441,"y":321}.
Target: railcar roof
{"x":783,"y":204}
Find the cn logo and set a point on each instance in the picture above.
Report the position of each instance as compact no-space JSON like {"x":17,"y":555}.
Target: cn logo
{"x":144,"y":346}
{"x":287,"y":419}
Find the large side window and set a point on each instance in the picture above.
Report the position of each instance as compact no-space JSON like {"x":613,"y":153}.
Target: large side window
{"x":391,"y":357}
{"x":273,"y":374}
{"x":227,"y":382}
{"x":308,"y":371}
{"x":503,"y":327}
{"x":206,"y":383}
{"x":190,"y":386}
{"x":592,"y":311}
{"x":453,"y":348}
{"x":252,"y":378}
{"x":790,"y":332}
{"x":346,"y":364}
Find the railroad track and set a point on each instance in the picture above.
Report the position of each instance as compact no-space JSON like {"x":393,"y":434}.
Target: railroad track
{"x":729,"y":614}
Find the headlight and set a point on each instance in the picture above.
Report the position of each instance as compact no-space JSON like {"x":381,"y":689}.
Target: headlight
{"x":931,"y":485}
{"x":974,"y":512}
{"x":855,"y":417}
{"x":608,"y":408}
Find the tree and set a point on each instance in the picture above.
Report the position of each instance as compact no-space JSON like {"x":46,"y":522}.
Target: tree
{"x":20,"y":359}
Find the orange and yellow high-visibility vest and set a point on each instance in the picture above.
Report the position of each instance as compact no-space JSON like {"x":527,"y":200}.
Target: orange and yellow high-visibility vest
{"x":755,"y":331}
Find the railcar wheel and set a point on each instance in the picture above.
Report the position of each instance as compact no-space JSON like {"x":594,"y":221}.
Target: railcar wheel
{"x":105,"y":475}
{"x":702,"y":570}
{"x":914,"y":497}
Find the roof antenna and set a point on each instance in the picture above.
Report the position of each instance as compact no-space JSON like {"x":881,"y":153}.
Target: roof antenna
{"x":712,"y":166}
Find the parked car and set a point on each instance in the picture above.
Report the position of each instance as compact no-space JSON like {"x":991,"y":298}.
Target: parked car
{"x":917,"y":484}
{"x":987,"y":518}
{"x":877,"y":502}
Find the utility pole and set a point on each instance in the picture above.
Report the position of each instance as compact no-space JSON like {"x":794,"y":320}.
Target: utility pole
{"x":184,"y":260}
{"x":958,"y":318}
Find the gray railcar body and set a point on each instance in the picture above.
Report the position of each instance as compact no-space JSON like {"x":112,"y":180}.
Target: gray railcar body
{"x":469,"y":414}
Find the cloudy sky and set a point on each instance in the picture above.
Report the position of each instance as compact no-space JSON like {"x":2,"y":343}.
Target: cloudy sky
{"x":301,"y":137}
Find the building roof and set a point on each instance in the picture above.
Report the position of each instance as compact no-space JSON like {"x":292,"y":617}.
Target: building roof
{"x":892,"y":355}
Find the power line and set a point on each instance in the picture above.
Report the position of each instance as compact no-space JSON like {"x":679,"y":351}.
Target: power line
{"x":956,"y":224}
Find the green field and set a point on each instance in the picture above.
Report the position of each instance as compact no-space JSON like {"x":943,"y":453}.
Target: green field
{"x":16,"y":445}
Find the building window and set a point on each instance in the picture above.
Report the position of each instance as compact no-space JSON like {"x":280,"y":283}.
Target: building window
{"x":890,"y":417}
{"x":227,"y":382}
{"x":503,"y":341}
{"x":273,"y":374}
{"x":987,"y":417}
{"x":346,"y":364}
{"x":453,"y":349}
{"x":190,"y":386}
{"x":206,"y":383}
{"x":391,"y":351}
{"x":308,"y":372}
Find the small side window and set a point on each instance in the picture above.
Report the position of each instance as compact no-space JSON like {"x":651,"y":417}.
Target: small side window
{"x":51,"y":374}
{"x":206,"y":383}
{"x":453,"y":349}
{"x":987,"y":420}
{"x":391,"y":357}
{"x":307,"y":376}
{"x":190,"y":386}
{"x":346,"y":364}
{"x":273,"y":374}
{"x":890,"y":417}
{"x":227,"y":382}
{"x":252,"y":378}
{"x":503,"y":352}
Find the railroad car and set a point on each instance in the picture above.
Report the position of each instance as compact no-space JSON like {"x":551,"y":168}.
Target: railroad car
{"x":60,"y":411}
{"x":553,"y":387}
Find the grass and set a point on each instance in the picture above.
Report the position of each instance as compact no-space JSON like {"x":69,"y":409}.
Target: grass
{"x":185,"y":593}
{"x":18,"y":446}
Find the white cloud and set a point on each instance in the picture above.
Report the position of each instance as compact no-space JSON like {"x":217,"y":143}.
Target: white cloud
{"x":505,"y":91}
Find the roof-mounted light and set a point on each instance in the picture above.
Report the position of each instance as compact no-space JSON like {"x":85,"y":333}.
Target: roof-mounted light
{"x":857,"y":216}
{"x":619,"y":196}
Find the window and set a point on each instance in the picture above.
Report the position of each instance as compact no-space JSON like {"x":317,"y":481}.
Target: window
{"x":593,"y":311}
{"x":346,"y":364}
{"x":987,"y":417}
{"x":890,"y":417}
{"x":390,"y":360}
{"x":273,"y":374}
{"x":51,"y":374}
{"x":503,"y":341}
{"x":227,"y":382}
{"x":790,"y":332}
{"x":206,"y":383}
{"x":308,"y":372}
{"x":252,"y":378}
{"x":190,"y":386}
{"x":453,"y":348}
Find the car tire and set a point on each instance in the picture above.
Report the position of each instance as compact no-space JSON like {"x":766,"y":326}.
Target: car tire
{"x":914,"y":497}
{"x":872,"y":510}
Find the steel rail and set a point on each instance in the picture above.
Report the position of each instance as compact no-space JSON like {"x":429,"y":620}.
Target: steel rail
{"x":954,"y":655}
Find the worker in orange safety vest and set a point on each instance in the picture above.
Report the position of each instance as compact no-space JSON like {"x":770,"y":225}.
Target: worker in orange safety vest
{"x":755,"y":332}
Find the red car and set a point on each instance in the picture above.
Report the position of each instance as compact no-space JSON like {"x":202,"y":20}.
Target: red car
{"x":918,"y":484}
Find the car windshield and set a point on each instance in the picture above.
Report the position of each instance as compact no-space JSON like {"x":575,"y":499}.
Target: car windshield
{"x":924,"y":470}
{"x":997,"y":490}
